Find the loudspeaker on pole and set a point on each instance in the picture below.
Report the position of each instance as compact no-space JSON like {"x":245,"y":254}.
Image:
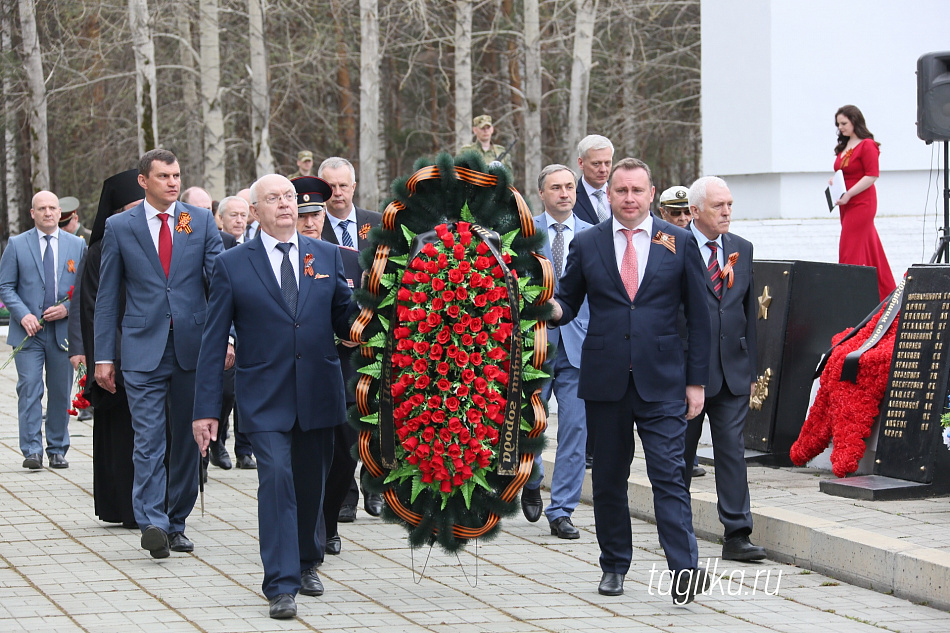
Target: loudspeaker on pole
{"x":933,"y":97}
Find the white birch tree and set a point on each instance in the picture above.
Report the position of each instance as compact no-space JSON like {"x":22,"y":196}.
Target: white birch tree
{"x":11,"y":171}
{"x":369,"y":104}
{"x":580,"y":71}
{"x":146,"y":90}
{"x":33,"y":67}
{"x":463,"y":72}
{"x":532,"y":103}
{"x":191,"y":158}
{"x":210,"y":65}
{"x":260,"y":99}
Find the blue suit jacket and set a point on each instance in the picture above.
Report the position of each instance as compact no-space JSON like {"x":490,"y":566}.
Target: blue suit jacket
{"x":639,"y":336}
{"x":287,"y":369}
{"x":583,"y":208}
{"x":22,"y":286}
{"x":152,"y":300}
{"x":574,"y":332}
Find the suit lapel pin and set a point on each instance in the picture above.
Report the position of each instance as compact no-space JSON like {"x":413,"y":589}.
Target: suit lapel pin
{"x":184,"y":222}
{"x":664,"y":239}
{"x":70,"y":266}
{"x":307,"y":268}
{"x":728,"y":272}
{"x":364,"y":231}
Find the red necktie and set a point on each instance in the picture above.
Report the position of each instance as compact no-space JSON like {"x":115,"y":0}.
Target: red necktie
{"x":715,"y":273}
{"x":628,"y":265}
{"x":165,"y":243}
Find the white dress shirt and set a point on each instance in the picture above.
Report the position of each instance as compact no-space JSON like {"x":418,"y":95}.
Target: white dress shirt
{"x":704,"y":250}
{"x":276,"y":256}
{"x":352,"y":228}
{"x":54,"y":243}
{"x":568,"y":234}
{"x":155,"y":224}
{"x":641,"y":242}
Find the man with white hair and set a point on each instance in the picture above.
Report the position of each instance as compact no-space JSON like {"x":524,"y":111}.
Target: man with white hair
{"x":233,"y":212}
{"x":595,"y":154}
{"x":730,"y":296}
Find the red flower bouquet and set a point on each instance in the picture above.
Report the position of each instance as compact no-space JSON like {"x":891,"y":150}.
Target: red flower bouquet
{"x":453,"y":353}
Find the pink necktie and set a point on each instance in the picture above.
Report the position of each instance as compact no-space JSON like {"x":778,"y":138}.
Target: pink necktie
{"x":628,"y":266}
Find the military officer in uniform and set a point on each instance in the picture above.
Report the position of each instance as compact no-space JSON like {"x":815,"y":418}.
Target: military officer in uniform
{"x":483,"y":129}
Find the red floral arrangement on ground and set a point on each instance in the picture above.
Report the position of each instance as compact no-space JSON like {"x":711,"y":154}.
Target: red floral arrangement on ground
{"x":452,"y":292}
{"x":843,"y":411}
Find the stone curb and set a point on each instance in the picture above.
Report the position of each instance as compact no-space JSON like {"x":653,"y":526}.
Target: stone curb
{"x":853,"y":555}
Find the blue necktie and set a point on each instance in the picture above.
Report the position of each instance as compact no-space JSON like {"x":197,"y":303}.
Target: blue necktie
{"x":345,"y":232}
{"x":49,"y":274}
{"x":288,"y":281}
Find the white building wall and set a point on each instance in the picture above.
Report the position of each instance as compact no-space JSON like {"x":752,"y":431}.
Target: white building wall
{"x":775,"y":71}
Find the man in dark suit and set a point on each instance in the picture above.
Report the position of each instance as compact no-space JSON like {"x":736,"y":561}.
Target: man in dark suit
{"x":288,"y":376}
{"x":595,"y":154}
{"x":636,"y":271}
{"x":732,"y":313}
{"x":348,"y":225}
{"x":162,"y":251}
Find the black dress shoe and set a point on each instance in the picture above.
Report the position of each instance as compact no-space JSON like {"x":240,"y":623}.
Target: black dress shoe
{"x":57,"y":461}
{"x":310,"y":583}
{"x":34,"y":461}
{"x":178,"y":542}
{"x":219,"y":455}
{"x":246,"y":462}
{"x":698,"y":471}
{"x":283,"y":607}
{"x":372,"y":503}
{"x":741,"y":548}
{"x":531,"y":503}
{"x":689,"y":582}
{"x":347,"y":513}
{"x":611,"y":584}
{"x":85,"y":414}
{"x":334,"y":545}
{"x":155,"y":541}
{"x":562,"y":527}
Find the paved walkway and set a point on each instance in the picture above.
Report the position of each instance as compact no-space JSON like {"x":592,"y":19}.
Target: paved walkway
{"x":62,"y":570}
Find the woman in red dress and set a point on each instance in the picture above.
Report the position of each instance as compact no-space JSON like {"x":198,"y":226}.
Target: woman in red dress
{"x":856,"y":155}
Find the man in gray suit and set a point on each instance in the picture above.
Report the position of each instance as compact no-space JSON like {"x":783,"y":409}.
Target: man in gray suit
{"x":556,"y":187}
{"x":162,"y":252}
{"x":37,"y":271}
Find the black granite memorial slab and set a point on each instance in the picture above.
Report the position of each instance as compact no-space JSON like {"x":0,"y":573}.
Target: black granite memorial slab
{"x":802,"y":305}
{"x":911,"y":460}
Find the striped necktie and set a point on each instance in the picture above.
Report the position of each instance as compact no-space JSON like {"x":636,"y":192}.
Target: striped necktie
{"x":345,"y":237}
{"x":714,"y":271}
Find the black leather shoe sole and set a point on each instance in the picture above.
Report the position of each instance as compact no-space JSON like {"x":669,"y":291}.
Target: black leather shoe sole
{"x":531,"y":504}
{"x":33,"y":462}
{"x":563,"y":528}
{"x":155,"y":541}
{"x":310,"y":583}
{"x":58,"y":461}
{"x":611,"y":584}
{"x":744,"y":554}
{"x":178,"y":542}
{"x":283,"y":607}
{"x":347,"y":514}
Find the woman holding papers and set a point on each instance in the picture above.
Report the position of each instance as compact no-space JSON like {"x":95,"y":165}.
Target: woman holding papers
{"x":856,"y":155}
